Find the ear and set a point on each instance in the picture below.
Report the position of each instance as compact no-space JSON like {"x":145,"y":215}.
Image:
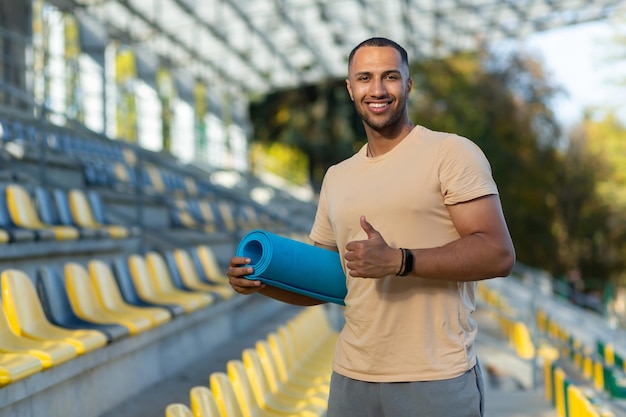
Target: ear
{"x":349,"y":87}
{"x":409,"y":85}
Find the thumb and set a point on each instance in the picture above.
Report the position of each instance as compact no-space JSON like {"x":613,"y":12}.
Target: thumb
{"x":368,"y":228}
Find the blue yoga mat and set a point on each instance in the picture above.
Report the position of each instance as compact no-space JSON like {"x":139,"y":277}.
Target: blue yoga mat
{"x":294,"y":266}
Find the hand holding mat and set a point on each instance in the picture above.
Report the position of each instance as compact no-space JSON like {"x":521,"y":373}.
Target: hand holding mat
{"x":294,"y":266}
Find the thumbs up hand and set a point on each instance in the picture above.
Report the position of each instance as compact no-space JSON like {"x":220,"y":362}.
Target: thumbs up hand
{"x":373,"y":257}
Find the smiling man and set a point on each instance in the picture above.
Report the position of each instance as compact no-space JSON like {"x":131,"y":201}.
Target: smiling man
{"x":417,"y":221}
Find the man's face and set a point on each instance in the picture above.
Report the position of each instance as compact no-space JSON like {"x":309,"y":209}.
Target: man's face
{"x":379,"y":84}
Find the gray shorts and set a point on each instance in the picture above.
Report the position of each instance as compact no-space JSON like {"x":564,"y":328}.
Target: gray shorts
{"x":462,"y":396}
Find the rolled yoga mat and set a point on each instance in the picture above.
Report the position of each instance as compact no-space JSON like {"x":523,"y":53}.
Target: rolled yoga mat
{"x":294,"y":266}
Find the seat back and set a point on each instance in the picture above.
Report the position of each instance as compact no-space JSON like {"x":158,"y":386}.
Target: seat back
{"x":226,"y":211}
{"x":21,"y":207}
{"x":82,"y":294}
{"x":97,"y":207}
{"x":224,"y":394}
{"x":146,"y":287}
{"x":242,"y":387}
{"x":268,"y":363}
{"x":45,"y":206}
{"x":5,"y":217}
{"x":63,"y":207}
{"x":185,"y":267}
{"x":106,"y":287}
{"x":159,"y":272}
{"x":178,"y":410}
{"x":21,"y":303}
{"x":80,"y":209}
{"x":203,"y":403}
{"x":208,"y":264}
{"x":256,"y":375}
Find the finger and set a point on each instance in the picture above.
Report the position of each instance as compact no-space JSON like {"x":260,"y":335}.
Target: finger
{"x":368,"y":228}
{"x":239,"y":261}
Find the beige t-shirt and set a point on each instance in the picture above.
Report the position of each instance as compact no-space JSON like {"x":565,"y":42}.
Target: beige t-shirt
{"x":404,"y":328}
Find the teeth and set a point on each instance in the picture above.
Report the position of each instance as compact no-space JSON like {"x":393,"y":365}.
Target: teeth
{"x":378,"y":105}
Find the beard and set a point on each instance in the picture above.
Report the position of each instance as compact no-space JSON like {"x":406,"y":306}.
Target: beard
{"x":378,"y":123}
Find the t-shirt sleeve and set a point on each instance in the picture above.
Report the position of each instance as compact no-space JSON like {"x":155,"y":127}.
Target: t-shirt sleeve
{"x":322,"y":230}
{"x":464,"y":171}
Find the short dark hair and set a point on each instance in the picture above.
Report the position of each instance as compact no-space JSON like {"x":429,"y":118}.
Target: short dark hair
{"x":380,"y":42}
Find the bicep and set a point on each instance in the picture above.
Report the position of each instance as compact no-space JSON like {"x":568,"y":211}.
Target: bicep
{"x":482,"y":215}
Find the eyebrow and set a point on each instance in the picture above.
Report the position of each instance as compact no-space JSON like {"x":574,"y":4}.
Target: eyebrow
{"x":386,"y":72}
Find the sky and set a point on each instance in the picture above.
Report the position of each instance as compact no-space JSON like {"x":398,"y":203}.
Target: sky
{"x":576,"y":58}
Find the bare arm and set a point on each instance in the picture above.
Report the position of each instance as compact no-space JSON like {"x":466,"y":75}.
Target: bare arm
{"x":484,"y":249}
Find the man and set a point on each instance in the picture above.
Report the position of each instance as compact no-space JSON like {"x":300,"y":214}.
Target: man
{"x":417,"y":220}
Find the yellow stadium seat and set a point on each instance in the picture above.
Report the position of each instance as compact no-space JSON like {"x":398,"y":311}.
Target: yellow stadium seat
{"x":16,"y":366}
{"x":26,"y":316}
{"x":150,"y":292}
{"x":225,"y":397}
{"x":209,"y":265}
{"x":191,"y":280}
{"x":86,"y":304}
{"x":83,"y":216}
{"x":160,"y":275}
{"x":203,"y":402}
{"x":50,"y":353}
{"x":226,"y":212}
{"x":250,"y":404}
{"x":111,"y":298}
{"x":274,"y":358}
{"x":24,"y":215}
{"x":178,"y":410}
{"x":4,"y":236}
{"x":279,"y":398}
{"x":293,"y":384}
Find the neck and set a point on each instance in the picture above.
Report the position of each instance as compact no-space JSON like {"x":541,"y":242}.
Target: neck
{"x":379,"y":143}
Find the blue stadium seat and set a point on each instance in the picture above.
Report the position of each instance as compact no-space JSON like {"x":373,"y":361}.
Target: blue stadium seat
{"x":129,"y":292}
{"x":50,"y":285}
{"x":98,"y":210}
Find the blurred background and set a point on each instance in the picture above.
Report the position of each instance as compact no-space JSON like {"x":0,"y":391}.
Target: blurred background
{"x":247,"y":98}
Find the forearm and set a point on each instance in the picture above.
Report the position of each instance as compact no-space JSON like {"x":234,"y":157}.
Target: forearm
{"x":470,"y":258}
{"x":288,"y":296}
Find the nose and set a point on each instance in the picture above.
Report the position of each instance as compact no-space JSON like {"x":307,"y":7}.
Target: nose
{"x":377,"y":88}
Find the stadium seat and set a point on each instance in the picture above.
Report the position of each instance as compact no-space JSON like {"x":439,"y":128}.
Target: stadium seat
{"x":23,"y":214}
{"x":181,"y":263}
{"x":178,"y":410}
{"x":52,"y":213}
{"x":85,"y":302}
{"x":226,"y":212}
{"x":15,"y":233}
{"x":225,"y":396}
{"x":50,"y":285}
{"x":111,"y":298}
{"x":208,"y":268}
{"x":26,"y":316}
{"x":16,"y":366}
{"x":4,"y":236}
{"x":274,"y":399}
{"x":50,"y":353}
{"x":161,"y":278}
{"x":149,"y":291}
{"x":82,"y":215}
{"x":292,"y":384}
{"x":181,"y":217}
{"x":250,"y":404}
{"x":202,"y":402}
{"x":129,"y":291}
{"x":100,"y":213}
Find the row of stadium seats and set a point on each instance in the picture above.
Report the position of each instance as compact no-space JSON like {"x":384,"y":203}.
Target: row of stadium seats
{"x":287,"y":373}
{"x":64,"y":312}
{"x":552,"y":343}
{"x":55,"y":214}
